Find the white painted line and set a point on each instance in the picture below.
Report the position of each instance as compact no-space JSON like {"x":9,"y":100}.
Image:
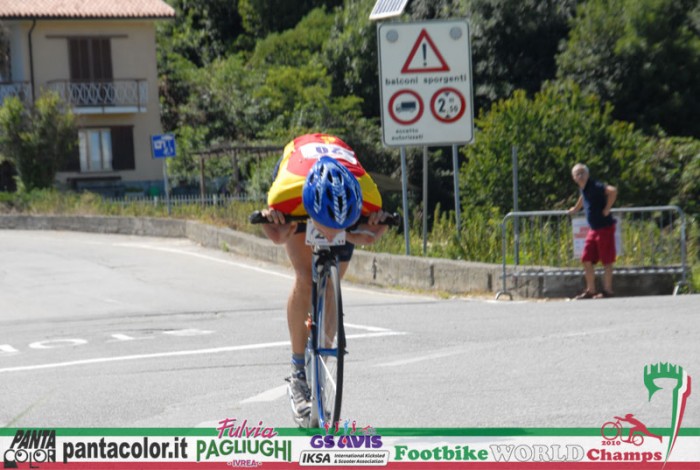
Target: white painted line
{"x":376,"y":335}
{"x":413,"y":360}
{"x":194,"y":352}
{"x":247,"y":266}
{"x":268,"y":395}
{"x":135,"y":357}
{"x":366,"y":328}
{"x":206,"y":257}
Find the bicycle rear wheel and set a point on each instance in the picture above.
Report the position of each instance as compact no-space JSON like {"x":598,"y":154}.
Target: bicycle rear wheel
{"x":330,"y":347}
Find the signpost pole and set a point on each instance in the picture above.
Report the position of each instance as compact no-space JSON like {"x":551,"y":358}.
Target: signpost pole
{"x":425,"y":200}
{"x":166,"y":184}
{"x":516,"y":222}
{"x":404,"y":194}
{"x":458,"y":209}
{"x":163,"y":146}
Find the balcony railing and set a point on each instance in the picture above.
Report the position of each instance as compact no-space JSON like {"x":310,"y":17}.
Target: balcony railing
{"x":23,"y":90}
{"x":113,"y":96}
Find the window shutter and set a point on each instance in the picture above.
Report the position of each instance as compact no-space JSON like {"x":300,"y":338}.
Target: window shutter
{"x":102,"y":59}
{"x":77,"y":53}
{"x":90,"y":59}
{"x":123,"y":148}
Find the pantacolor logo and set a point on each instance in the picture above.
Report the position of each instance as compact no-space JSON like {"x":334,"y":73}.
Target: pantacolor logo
{"x":681,"y":392}
{"x":32,"y":446}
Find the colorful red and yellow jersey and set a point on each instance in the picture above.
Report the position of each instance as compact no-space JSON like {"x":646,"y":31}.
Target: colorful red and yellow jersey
{"x":298,"y":158}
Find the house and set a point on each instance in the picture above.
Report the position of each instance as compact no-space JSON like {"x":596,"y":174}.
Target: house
{"x":100,"y":57}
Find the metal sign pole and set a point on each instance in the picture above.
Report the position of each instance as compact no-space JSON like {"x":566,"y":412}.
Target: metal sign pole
{"x":516,"y":231}
{"x":166,"y":183}
{"x":163,"y":146}
{"x":404,"y":191}
{"x":458,"y":209}
{"x":425,"y":200}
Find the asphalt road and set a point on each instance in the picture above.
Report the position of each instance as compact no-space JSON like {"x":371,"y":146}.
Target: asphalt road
{"x":120,"y":331}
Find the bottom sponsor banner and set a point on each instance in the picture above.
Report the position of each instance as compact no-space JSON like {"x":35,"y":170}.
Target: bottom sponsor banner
{"x":240,"y":445}
{"x":619,"y":442}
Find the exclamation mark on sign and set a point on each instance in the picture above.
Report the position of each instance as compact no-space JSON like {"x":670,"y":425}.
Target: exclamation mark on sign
{"x":425,"y":53}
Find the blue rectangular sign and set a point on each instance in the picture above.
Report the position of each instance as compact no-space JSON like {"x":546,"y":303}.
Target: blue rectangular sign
{"x":163,"y":145}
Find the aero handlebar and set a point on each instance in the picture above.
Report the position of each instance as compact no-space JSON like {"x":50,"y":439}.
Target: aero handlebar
{"x":257,"y":218}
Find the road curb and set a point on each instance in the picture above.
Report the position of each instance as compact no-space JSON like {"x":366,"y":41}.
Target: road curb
{"x":379,"y":269}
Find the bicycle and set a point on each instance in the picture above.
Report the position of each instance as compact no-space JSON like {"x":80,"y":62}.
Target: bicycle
{"x":325,"y":349}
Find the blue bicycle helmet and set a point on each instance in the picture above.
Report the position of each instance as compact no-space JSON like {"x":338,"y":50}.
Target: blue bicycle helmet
{"x":331,"y":194}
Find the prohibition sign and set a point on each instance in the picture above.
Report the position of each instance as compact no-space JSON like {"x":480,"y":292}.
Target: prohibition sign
{"x":448,"y":105}
{"x":412,"y":104}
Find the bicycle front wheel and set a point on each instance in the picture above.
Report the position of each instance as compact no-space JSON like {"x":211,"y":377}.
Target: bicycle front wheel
{"x":330,"y":347}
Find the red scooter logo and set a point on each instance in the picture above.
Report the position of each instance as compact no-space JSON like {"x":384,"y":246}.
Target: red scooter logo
{"x":612,"y":430}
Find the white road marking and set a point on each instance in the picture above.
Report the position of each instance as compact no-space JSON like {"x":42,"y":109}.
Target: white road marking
{"x":260,"y":270}
{"x":427,"y":357}
{"x":268,"y":395}
{"x":206,"y":257}
{"x":136,"y":357}
{"x":367,"y":328}
{"x":194,"y":352}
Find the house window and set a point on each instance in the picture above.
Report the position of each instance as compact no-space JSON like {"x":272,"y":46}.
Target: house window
{"x":95,"y":150}
{"x":90,"y":59}
{"x":103,"y":149}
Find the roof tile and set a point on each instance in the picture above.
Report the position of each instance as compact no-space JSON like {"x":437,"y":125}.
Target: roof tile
{"x":85,"y":9}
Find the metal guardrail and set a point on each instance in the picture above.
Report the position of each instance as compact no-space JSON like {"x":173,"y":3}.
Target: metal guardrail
{"x":653,"y":241}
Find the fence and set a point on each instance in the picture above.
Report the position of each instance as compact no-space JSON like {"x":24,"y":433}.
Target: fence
{"x":206,"y":200}
{"x":542,"y":244}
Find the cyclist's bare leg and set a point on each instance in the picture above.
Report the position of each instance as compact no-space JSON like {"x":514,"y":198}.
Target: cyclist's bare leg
{"x":299,"y":301}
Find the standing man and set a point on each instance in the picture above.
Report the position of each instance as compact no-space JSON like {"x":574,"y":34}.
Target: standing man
{"x":597,"y":199}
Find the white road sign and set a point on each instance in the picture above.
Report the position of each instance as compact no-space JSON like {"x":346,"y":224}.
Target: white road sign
{"x":426,"y":83}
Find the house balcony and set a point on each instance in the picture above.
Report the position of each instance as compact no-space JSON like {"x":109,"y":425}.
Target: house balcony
{"x":116,"y":96}
{"x":23,"y":90}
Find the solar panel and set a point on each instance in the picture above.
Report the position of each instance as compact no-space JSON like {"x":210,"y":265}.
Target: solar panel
{"x":387,"y":8}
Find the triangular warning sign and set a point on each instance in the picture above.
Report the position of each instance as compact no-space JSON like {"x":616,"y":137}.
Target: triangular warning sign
{"x":425,"y":57}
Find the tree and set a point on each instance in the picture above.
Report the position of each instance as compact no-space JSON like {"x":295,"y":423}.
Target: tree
{"x":296,"y":46}
{"x":201,"y":31}
{"x":669,"y":173}
{"x":200,"y":34}
{"x":37,"y":140}
{"x":514,"y":43}
{"x":641,"y":55}
{"x":350,"y":55}
{"x":560,"y":126}
{"x":262,"y":17}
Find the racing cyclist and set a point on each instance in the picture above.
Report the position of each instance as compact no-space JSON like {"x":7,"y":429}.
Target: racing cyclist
{"x":318,"y":175}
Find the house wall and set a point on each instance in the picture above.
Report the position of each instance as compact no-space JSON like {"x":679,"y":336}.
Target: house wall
{"x":133,"y":57}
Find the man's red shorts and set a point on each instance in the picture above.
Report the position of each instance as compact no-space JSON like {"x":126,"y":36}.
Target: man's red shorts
{"x":600,"y":246}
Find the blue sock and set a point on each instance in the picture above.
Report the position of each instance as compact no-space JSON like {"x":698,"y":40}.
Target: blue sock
{"x":298,"y":362}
